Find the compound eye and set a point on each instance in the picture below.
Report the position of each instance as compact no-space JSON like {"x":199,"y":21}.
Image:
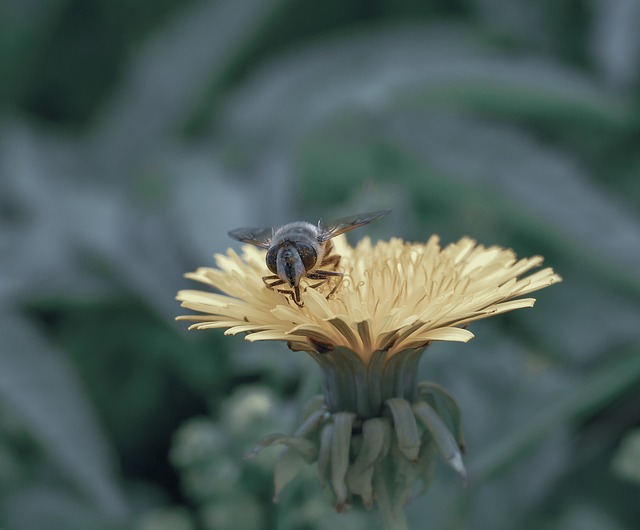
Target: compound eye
{"x":272,"y":259}
{"x":308,"y":255}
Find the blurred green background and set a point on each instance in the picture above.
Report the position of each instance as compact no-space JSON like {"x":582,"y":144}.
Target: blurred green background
{"x":134,"y":134}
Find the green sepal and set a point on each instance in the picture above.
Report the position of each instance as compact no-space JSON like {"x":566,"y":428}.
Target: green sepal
{"x":405,"y":426}
{"x":426,"y":462}
{"x":298,"y":451}
{"x":444,"y":440}
{"x":313,"y":405}
{"x":287,"y":467}
{"x":263,"y":443}
{"x":307,"y":449}
{"x":376,"y":440}
{"x":427,"y":388}
{"x":340,"y":448}
{"x":324,"y":463}
{"x":383,"y":485}
{"x":405,"y":475}
{"x":312,"y":423}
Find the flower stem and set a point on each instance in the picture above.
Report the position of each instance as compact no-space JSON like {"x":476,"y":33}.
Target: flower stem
{"x":391,"y":519}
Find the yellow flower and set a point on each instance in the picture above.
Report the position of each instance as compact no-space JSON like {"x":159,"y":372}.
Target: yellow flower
{"x":375,"y":431}
{"x":395,"y":296}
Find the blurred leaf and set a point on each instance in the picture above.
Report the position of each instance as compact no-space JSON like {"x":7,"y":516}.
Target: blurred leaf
{"x":627,"y":460}
{"x":618,"y":373}
{"x":174,"y":518}
{"x":37,"y":382}
{"x":387,"y":68}
{"x":615,"y":41}
{"x":209,"y":203}
{"x":39,"y":507}
{"x":534,"y":178}
{"x":56,"y":213}
{"x":24,"y":29}
{"x":236,"y":510}
{"x":170,"y":74}
{"x":519,"y":20}
{"x":522,"y":487}
{"x":68,"y":214}
{"x":583,"y":516}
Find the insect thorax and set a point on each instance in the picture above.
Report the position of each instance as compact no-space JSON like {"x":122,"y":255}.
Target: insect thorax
{"x":296,"y":231}
{"x":303,"y":237}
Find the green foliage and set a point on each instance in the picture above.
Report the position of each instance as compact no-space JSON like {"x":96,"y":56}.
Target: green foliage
{"x":134,"y":135}
{"x":627,"y":460}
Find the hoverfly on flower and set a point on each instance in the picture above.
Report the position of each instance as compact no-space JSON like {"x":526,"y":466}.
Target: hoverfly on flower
{"x":302,"y":250}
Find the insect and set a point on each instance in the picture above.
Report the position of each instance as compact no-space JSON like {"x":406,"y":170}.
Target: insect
{"x":302,"y":250}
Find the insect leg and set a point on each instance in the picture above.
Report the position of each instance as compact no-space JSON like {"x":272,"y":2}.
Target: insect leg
{"x":323,"y":275}
{"x":272,"y":281}
{"x":315,"y":276}
{"x":293,"y":294}
{"x":332,"y":261}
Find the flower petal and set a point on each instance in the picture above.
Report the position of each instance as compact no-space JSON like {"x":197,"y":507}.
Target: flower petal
{"x":394,"y":295}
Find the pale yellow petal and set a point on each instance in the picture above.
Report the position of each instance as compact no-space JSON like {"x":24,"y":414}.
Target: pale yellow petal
{"x":417,"y":340}
{"x":393,"y":295}
{"x":266,"y":335}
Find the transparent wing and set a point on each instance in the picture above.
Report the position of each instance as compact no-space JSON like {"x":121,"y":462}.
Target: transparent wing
{"x":340,"y":226}
{"x":260,"y":237}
